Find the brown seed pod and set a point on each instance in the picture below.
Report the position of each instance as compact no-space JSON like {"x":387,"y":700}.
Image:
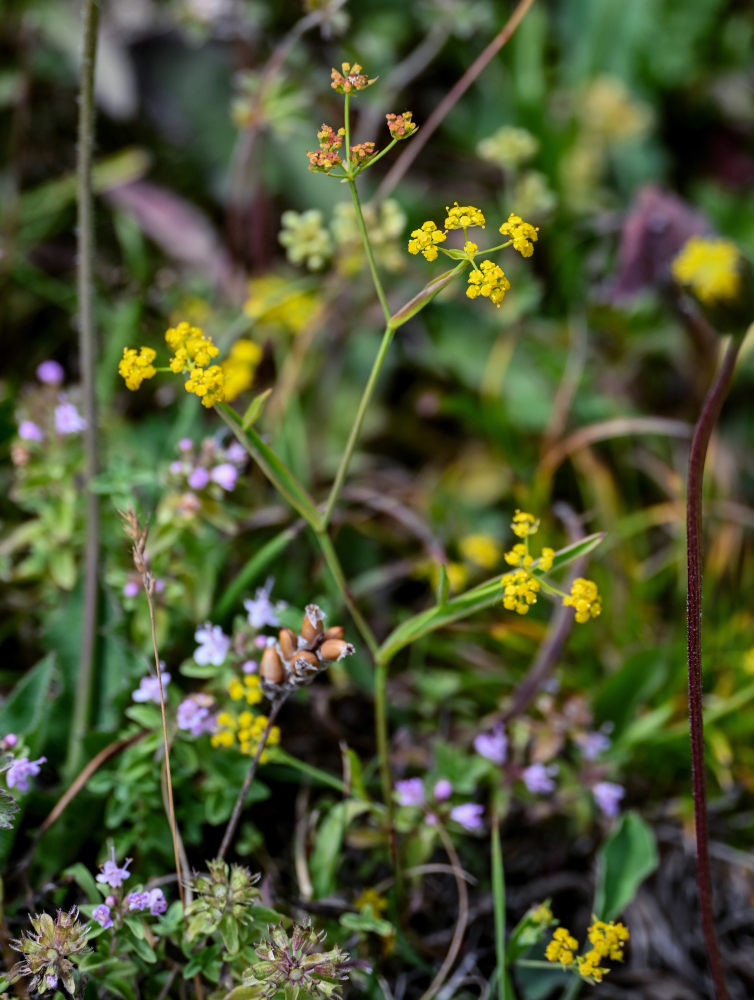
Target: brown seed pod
{"x":335,"y":649}
{"x":271,"y":667}
{"x":288,"y":642}
{"x":335,"y":632}
{"x":305,"y":666}
{"x":311,"y":626}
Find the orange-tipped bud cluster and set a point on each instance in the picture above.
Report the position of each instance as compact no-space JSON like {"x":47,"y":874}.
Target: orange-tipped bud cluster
{"x":351,"y":78}
{"x":295,"y":660}
{"x":401,"y":126}
{"x":362,"y":152}
{"x":329,"y":139}
{"x":321,"y":159}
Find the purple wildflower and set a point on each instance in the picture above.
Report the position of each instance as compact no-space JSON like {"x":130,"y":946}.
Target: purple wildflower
{"x":101,"y":914}
{"x":21,"y":770}
{"x":29,"y":431}
{"x":236,"y":453}
{"x":468,"y":815}
{"x":157,"y":903}
{"x":538,"y":778}
{"x":249,"y":667}
{"x":194,"y":715}
{"x":185,"y":444}
{"x":592,"y":745}
{"x":149,"y":688}
{"x":442,"y":790}
{"x":493,"y":746}
{"x":607,"y":795}
{"x":261,"y":611}
{"x":137,"y":900}
{"x":131,"y":588}
{"x":112,"y":875}
{"x":225,"y":475}
{"x":214,"y":645}
{"x":410,"y":792}
{"x":50,"y":372}
{"x":9,"y":741}
{"x":198,"y":479}
{"x":68,"y":420}
{"x":175,"y":468}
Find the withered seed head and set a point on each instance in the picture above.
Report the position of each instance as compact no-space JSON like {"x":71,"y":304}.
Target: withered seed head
{"x":335,"y":649}
{"x":271,"y":666}
{"x":335,"y":632}
{"x":305,"y":666}
{"x":288,"y":642}
{"x":311,"y":626}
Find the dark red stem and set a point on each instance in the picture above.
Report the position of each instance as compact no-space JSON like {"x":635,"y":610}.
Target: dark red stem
{"x":707,"y":419}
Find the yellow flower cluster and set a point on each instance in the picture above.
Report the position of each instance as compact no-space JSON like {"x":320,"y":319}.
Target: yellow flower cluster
{"x":247,"y":730}
{"x":519,"y":556}
{"x":607,"y":941}
{"x":425,"y":240}
{"x":520,"y":591}
{"x":710,"y":267}
{"x":463,"y":216}
{"x":523,"y":234}
{"x":249,"y":688}
{"x":489,"y":281}
{"x":524,"y":524}
{"x":240,"y":367}
{"x":192,"y":353}
{"x":584,"y":599}
{"x":135,"y":366}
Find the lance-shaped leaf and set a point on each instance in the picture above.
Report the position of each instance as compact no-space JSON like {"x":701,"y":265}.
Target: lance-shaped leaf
{"x":424,"y":297}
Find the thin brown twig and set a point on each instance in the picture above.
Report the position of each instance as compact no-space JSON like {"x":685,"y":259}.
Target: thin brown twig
{"x":412,"y":150}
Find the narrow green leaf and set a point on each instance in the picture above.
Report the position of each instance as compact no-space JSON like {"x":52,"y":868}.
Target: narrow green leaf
{"x":253,"y":570}
{"x":255,"y":408}
{"x":626,"y":858}
{"x":442,"y":591}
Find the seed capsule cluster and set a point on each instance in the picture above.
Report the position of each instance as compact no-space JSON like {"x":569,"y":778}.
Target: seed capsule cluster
{"x":293,"y":660}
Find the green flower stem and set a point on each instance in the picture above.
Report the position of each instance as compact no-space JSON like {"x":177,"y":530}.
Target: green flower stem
{"x":697,"y":456}
{"x":364,"y":402}
{"x":87,"y":351}
{"x":333,"y":563}
{"x":378,"y":156}
{"x":368,"y":249}
{"x":498,"y":896}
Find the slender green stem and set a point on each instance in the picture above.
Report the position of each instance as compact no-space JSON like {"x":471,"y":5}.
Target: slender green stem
{"x":498,"y":897}
{"x":704,"y":427}
{"x":368,"y":250}
{"x":366,"y":398}
{"x":87,"y":350}
{"x":333,"y":563}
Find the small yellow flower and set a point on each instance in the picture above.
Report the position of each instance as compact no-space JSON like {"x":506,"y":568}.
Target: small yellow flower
{"x":489,"y":281}
{"x":523,"y":234}
{"x":208,"y":384}
{"x":483,"y":550}
{"x":608,"y":939}
{"x":135,"y":366}
{"x":589,"y":966}
{"x":562,"y":947}
{"x":541,"y":914}
{"x":520,"y":591}
{"x":463,"y":216}
{"x":584,"y":599}
{"x":370,"y":897}
{"x":710,"y":267}
{"x":190,"y":346}
{"x":424,"y":240}
{"x":545,"y":560}
{"x":240,"y":367}
{"x":518,"y":556}
{"x":223,"y":738}
{"x":470,"y":248}
{"x":524,"y":524}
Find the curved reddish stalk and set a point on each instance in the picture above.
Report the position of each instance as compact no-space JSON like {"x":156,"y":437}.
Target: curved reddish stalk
{"x":707,"y":419}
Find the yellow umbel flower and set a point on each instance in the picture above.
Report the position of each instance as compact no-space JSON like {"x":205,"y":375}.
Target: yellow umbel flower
{"x":589,"y":966}
{"x":608,"y":939}
{"x":520,"y":591}
{"x":518,"y":556}
{"x":562,"y":947}
{"x":463,"y":217}
{"x":135,"y":366}
{"x":524,"y":524}
{"x":523,"y":234}
{"x":424,"y":240}
{"x":240,"y":367}
{"x":249,"y":688}
{"x":546,"y":559}
{"x":541,"y":914}
{"x":710,"y":267}
{"x":208,"y":384}
{"x":190,"y":348}
{"x":483,"y":550}
{"x":584,"y":599}
{"x":489,"y":281}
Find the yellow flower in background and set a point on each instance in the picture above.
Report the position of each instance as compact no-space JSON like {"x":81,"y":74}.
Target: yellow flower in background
{"x":240,"y":367}
{"x":483,"y":550}
{"x":249,"y":687}
{"x":584,"y":599}
{"x":276,"y":301}
{"x":370,"y":897}
{"x":710,"y":267}
{"x":135,"y":366}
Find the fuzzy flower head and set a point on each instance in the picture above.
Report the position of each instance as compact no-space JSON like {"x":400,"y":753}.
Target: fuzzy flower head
{"x":21,"y":770}
{"x":225,"y":892}
{"x":489,"y":281}
{"x":710,"y":267}
{"x":425,"y":240}
{"x":48,"y":951}
{"x":463,"y":217}
{"x":135,"y":366}
{"x":522,"y":234}
{"x":401,"y":126}
{"x":298,"y":960}
{"x":584,"y":599}
{"x":350,"y":78}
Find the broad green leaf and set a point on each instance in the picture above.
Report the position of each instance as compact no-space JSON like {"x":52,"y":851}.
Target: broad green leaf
{"x":367,"y":921}
{"x":29,"y":700}
{"x":626,"y":858}
{"x":253,"y":569}
{"x":84,"y":880}
{"x":328,"y":844}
